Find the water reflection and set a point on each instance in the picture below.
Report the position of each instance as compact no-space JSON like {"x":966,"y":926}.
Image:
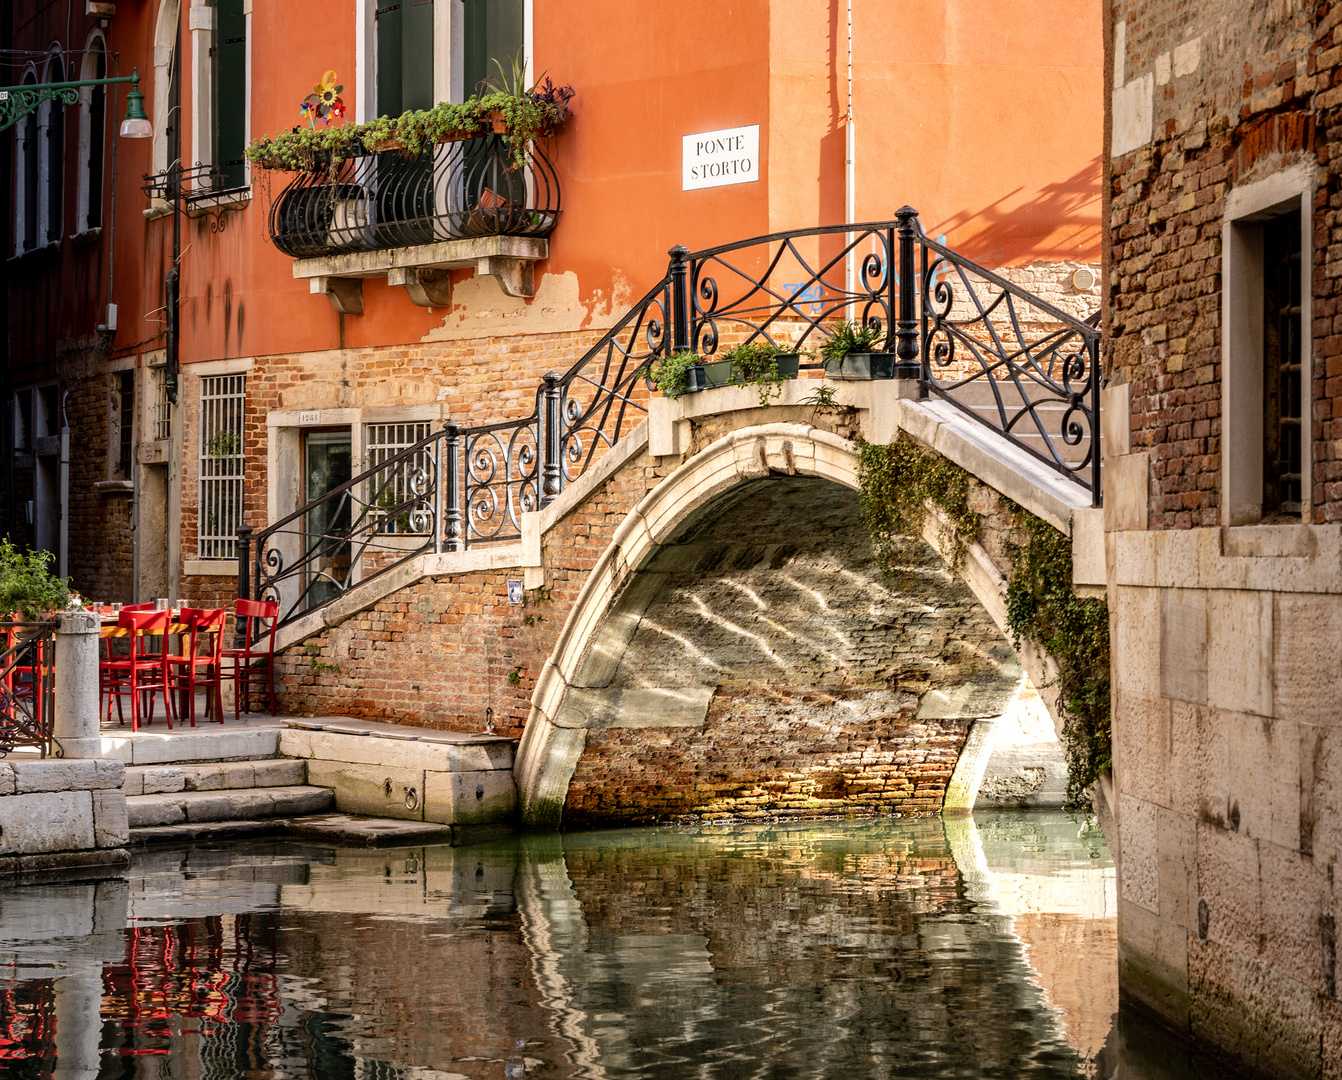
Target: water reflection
{"x":889,"y":948}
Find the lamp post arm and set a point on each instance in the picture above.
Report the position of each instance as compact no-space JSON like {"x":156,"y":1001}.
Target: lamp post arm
{"x":16,"y":102}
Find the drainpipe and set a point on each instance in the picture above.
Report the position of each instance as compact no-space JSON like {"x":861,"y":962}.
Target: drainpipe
{"x":850,"y":169}
{"x":63,"y":543}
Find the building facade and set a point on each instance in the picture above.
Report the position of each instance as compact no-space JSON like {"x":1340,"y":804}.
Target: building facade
{"x":1221,"y":504}
{"x":273,"y":376}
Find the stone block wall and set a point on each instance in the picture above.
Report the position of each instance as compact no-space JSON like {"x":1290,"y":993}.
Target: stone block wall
{"x":59,"y":814}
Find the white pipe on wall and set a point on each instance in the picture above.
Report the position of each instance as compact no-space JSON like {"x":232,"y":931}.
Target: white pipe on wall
{"x":850,"y":168}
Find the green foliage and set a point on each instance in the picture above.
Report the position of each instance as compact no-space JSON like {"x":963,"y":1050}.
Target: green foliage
{"x":848,"y":337}
{"x":224,"y":443}
{"x":27,"y":586}
{"x":528,"y":115}
{"x":898,"y":484}
{"x":756,"y":363}
{"x":1042,"y":606}
{"x":672,"y":372}
{"x":515,"y":676}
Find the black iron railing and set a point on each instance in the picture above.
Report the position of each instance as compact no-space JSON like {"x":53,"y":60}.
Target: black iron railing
{"x":394,"y":199}
{"x":1005,"y":357}
{"x":27,"y":683}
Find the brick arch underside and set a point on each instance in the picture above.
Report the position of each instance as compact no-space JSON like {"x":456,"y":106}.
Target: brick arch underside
{"x":768,"y":668}
{"x":736,"y":652}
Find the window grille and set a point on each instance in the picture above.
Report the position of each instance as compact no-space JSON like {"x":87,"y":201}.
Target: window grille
{"x":221,"y":404}
{"x":162,"y":406}
{"x":392,"y":492}
{"x":126,"y":407}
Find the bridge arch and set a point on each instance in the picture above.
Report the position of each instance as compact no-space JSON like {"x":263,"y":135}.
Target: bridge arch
{"x":580,"y":690}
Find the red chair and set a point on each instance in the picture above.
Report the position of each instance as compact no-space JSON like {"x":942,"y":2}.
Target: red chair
{"x":207,"y":627}
{"x":140,"y":672}
{"x":253,"y":665}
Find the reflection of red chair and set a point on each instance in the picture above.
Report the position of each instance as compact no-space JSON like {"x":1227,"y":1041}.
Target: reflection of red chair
{"x":140,"y":672}
{"x":182,"y":668}
{"x":254,"y":665}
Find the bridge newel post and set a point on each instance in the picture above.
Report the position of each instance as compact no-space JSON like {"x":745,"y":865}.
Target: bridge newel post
{"x":906,"y":335}
{"x":680,"y":298}
{"x":551,"y":470}
{"x":452,"y":486}
{"x":244,"y":582}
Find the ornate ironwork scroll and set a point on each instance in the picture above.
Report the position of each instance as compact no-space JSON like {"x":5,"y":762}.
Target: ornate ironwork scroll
{"x":27,"y":683}
{"x":1012,"y":361}
{"x":1005,"y":357}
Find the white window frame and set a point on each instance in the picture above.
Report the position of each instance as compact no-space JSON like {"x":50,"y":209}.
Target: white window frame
{"x":1247,"y":205}
{"x":44,"y":114}
{"x":89,"y":70}
{"x":21,"y":154}
{"x":220,"y":477}
{"x":201,"y":28}
{"x":449,"y":23}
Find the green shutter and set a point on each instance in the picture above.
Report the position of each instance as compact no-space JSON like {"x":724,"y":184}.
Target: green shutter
{"x":492,"y":31}
{"x":230,"y":90}
{"x":417,"y":55}
{"x":389,"y":29}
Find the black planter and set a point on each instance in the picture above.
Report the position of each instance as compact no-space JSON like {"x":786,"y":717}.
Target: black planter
{"x":863,"y":366}
{"x":789,"y":363}
{"x":718,"y":372}
{"x":695,"y":379}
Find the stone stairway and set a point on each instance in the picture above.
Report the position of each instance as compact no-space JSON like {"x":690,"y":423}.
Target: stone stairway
{"x":227,"y":782}
{"x":204,"y":800}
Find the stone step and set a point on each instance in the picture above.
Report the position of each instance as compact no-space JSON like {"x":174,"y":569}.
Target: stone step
{"x":217,"y":742}
{"x":214,"y":776}
{"x":199,"y":807}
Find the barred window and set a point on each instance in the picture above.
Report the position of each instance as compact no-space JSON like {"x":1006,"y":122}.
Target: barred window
{"x":126,"y":422}
{"x":221,"y":404}
{"x":162,"y":406}
{"x":392,"y":492}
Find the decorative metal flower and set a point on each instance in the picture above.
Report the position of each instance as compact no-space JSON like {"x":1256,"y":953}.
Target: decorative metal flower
{"x":324,"y":102}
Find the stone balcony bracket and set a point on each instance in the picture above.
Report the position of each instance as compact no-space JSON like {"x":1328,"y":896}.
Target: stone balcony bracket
{"x":425,"y":271}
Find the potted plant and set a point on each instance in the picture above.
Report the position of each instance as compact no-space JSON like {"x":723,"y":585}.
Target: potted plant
{"x":28,"y":588}
{"x":848,"y":354}
{"x":760,"y":363}
{"x":679,"y":373}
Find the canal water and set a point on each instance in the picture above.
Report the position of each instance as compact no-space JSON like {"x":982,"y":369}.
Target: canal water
{"x":979,"y":947}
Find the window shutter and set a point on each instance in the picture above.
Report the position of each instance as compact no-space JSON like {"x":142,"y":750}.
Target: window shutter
{"x":404,"y":57}
{"x":492,"y":31}
{"x":417,"y":55}
{"x":230,"y":91}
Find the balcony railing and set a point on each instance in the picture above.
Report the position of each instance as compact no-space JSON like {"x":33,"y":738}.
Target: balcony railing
{"x":27,"y":682}
{"x":390,"y":198}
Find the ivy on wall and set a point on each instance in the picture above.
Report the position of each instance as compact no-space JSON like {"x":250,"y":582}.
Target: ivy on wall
{"x":900,"y":483}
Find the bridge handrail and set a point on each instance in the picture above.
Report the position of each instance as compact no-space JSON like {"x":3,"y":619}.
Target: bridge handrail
{"x":463,"y":486}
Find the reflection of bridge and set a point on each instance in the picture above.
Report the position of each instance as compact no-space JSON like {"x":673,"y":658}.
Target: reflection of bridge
{"x":704,"y":627}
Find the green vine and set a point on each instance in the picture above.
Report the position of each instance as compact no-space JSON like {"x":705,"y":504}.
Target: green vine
{"x":527,"y":116}
{"x":900,"y":483}
{"x":1043,"y":607}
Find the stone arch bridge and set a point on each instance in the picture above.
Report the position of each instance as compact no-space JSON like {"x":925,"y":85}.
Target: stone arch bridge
{"x":673,"y":602}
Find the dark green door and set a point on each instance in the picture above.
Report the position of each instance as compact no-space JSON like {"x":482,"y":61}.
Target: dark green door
{"x":326,"y":465}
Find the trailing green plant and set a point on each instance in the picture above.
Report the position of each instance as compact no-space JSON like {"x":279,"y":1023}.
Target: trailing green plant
{"x":527,"y":116}
{"x":755,"y":363}
{"x":848,"y":337}
{"x":28,"y":588}
{"x":671,"y":373}
{"x":1043,"y":607}
{"x":899,"y":484}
